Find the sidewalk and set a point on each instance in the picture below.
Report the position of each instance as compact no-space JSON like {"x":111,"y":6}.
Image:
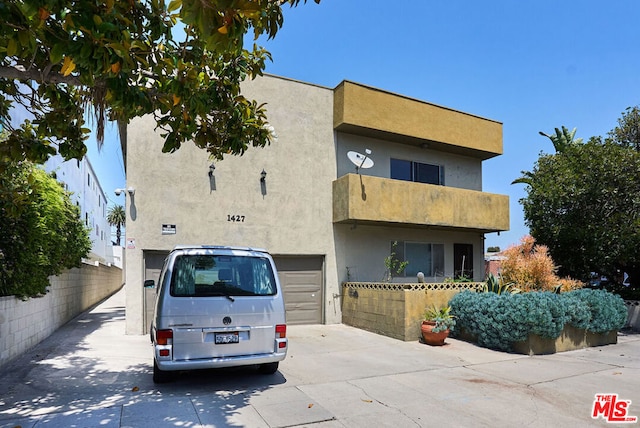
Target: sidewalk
{"x":90,"y":374}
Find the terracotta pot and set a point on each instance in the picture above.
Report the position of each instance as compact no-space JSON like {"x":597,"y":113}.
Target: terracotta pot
{"x":431,"y":338}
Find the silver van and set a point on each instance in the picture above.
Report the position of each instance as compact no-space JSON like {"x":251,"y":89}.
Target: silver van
{"x":217,"y":307}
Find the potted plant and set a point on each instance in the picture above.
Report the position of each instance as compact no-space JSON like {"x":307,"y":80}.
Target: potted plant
{"x":436,"y":325}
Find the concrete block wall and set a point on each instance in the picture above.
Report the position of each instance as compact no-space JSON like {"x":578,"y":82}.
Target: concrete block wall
{"x":24,"y":324}
{"x":395,"y":310}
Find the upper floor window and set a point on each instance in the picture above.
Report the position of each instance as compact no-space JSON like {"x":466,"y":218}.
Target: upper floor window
{"x":417,"y":171}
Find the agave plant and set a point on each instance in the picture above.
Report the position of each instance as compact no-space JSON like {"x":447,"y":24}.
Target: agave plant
{"x":441,"y":316}
{"x":497,"y":285}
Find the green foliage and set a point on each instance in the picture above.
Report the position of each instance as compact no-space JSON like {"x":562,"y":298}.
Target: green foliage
{"x":627,"y":293}
{"x":392,"y":265}
{"x":499,"y":320}
{"x":497,"y":285}
{"x":583,"y":204}
{"x":563,"y":139}
{"x":41,"y":230}
{"x":181,"y":61}
{"x":627,"y":133}
{"x":442,"y":317}
{"x":608,"y":311}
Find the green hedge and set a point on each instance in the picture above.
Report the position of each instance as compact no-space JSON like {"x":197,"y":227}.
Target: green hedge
{"x":41,"y":232}
{"x":499,"y":320}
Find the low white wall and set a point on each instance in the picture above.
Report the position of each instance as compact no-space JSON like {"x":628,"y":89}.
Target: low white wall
{"x":24,"y":324}
{"x":633,"y":319}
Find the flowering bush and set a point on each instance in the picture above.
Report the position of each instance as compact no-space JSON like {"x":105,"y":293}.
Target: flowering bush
{"x":531,"y":268}
{"x":498,"y":320}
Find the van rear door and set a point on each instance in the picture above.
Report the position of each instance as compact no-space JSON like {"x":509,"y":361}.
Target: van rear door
{"x":222,"y":305}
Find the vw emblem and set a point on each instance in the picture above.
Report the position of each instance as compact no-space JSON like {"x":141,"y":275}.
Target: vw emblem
{"x":226,"y":320}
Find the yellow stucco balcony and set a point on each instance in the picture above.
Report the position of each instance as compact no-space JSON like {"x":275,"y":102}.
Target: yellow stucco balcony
{"x":362,"y":110}
{"x":367,"y":199}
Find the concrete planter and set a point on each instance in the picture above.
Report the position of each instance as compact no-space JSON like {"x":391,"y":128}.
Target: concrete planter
{"x":570,"y":339}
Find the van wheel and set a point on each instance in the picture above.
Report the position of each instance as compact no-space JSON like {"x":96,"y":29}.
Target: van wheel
{"x":160,"y":376}
{"x":268,"y":368}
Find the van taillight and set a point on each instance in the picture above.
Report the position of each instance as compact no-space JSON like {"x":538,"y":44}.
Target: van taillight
{"x":163,"y":337}
{"x":281,"y":331}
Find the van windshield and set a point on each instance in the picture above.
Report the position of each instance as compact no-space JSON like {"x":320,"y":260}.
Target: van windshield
{"x":211,"y":275}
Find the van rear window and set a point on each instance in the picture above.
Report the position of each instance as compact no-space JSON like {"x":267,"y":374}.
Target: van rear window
{"x":211,"y":275}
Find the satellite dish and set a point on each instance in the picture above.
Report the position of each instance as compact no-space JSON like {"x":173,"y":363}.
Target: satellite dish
{"x":360,"y":160}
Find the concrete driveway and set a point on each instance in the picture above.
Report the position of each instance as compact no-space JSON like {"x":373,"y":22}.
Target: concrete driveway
{"x":90,"y":374}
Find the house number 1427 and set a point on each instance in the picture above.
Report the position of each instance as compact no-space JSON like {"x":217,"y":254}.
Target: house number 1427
{"x":235,"y":218}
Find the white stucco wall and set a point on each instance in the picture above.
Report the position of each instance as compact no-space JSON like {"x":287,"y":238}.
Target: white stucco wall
{"x":291,"y":215}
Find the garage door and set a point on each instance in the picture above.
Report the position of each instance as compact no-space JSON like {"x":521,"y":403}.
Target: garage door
{"x":302,"y":282}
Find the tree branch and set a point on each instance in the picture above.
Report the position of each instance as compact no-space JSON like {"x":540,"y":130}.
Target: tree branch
{"x":18,"y":73}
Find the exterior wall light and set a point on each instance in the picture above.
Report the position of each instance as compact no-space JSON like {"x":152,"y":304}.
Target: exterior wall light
{"x":263,"y":176}
{"x":212,"y":168}
{"x":131,"y":191}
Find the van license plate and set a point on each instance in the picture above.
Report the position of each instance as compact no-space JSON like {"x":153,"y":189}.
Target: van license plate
{"x":224,"y":338}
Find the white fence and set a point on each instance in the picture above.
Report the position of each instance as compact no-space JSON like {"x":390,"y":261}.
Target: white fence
{"x":24,"y":324}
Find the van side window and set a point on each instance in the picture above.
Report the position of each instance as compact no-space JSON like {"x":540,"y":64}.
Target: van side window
{"x":209,"y":275}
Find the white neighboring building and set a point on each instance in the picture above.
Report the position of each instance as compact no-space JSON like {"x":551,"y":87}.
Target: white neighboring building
{"x":79,"y":178}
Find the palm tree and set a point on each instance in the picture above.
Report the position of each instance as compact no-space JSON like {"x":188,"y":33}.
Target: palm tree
{"x":561,"y":142}
{"x":116,"y":217}
{"x":563,"y":139}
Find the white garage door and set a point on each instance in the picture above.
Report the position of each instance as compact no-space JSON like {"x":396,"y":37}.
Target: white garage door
{"x":302,"y":282}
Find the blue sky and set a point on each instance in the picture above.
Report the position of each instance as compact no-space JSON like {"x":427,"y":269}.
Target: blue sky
{"x":532,"y":65}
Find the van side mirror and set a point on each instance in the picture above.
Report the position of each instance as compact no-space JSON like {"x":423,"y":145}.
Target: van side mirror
{"x":149,"y":283}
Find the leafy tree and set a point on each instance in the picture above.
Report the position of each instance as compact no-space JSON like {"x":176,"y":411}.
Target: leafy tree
{"x":42,"y":233}
{"x":627,"y":133}
{"x":120,"y":59}
{"x":116,"y":217}
{"x":583,"y":203}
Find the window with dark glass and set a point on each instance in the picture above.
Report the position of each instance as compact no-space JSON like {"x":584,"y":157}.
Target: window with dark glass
{"x":417,"y":171}
{"x":424,"y":257}
{"x":463,"y":261}
{"x":218,"y":275}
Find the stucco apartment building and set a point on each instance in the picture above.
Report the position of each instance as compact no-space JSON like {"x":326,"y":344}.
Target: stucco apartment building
{"x":302,"y":199}
{"x":79,"y":178}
